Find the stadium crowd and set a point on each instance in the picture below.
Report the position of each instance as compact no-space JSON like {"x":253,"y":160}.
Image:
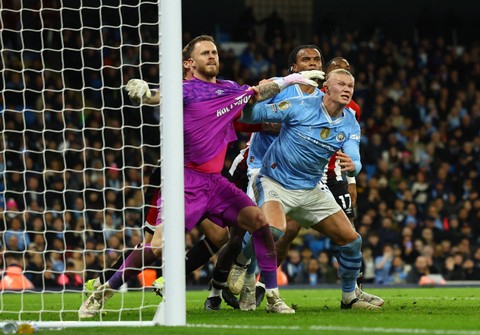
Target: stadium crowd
{"x":72,"y":147}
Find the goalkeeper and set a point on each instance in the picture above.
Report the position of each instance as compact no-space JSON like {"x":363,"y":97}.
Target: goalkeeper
{"x":215,"y":236}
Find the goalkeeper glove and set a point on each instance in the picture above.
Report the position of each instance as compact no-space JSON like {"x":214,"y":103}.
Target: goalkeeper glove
{"x":138,"y":90}
{"x":304,"y":77}
{"x":313,"y":74}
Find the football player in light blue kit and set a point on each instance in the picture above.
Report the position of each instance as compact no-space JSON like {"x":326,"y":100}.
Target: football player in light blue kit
{"x":314,"y":128}
{"x":302,"y":58}
{"x":242,"y":276}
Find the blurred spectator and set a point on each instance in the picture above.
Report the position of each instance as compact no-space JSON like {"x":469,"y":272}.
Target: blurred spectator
{"x":399,"y":271}
{"x":259,"y":67}
{"x":76,"y":151}
{"x":71,"y":277}
{"x":387,"y":233}
{"x":419,"y":269}
{"x":452,"y":270}
{"x":328,"y":274}
{"x":13,"y":277}
{"x":292,"y":265}
{"x":420,"y":190}
{"x":471,"y":270}
{"x":316,"y":242}
{"x":383,"y":265}
{"x":409,"y":252}
{"x":368,"y":266}
{"x":16,"y":237}
{"x":35,"y":269}
{"x":310,"y":273}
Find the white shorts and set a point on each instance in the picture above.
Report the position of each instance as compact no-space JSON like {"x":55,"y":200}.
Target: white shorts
{"x":307,"y":207}
{"x":252,"y":174}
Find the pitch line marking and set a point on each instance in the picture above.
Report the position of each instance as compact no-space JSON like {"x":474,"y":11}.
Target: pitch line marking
{"x":349,"y":329}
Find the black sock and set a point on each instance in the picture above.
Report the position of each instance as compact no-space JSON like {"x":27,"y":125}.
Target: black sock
{"x":199,"y":254}
{"x":219,"y":278}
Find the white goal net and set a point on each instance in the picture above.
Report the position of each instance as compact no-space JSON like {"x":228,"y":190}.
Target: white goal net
{"x":75,"y":155}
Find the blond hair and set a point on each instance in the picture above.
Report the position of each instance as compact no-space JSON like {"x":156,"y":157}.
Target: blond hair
{"x":339,"y":71}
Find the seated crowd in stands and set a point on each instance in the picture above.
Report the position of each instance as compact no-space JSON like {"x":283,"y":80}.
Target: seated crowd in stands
{"x":418,"y":197}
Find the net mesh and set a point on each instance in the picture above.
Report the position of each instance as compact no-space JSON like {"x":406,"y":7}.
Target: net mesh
{"x":75,"y":153}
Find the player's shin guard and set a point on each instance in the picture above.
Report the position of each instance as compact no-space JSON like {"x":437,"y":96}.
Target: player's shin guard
{"x":133,"y":265}
{"x":277,"y":233}
{"x":247,"y":246}
{"x":349,"y":259}
{"x":118,"y":263}
{"x":266,"y":255}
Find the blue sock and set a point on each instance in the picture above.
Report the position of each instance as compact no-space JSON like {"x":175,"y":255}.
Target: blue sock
{"x":349,"y":259}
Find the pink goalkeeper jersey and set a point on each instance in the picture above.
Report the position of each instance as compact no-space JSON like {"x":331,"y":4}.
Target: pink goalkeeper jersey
{"x":208,"y":111}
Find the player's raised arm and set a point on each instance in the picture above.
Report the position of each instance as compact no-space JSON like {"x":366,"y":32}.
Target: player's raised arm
{"x":266,"y":90}
{"x":139,"y":92}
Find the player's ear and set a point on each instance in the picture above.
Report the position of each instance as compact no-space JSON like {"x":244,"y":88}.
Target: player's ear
{"x":326,"y":88}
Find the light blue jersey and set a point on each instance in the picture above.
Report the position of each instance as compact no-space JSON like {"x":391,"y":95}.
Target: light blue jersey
{"x":307,"y":140}
{"x":261,"y":141}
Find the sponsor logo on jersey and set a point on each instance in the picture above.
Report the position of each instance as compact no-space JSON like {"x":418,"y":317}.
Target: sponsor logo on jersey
{"x":219,"y":92}
{"x":340,"y":137}
{"x":239,"y":101}
{"x":284,"y":105}
{"x":324,"y":133}
{"x":355,"y":137}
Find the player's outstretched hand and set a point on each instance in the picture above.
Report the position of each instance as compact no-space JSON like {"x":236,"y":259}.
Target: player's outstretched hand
{"x":138,"y":90}
{"x":296,"y":78}
{"x":313,"y":74}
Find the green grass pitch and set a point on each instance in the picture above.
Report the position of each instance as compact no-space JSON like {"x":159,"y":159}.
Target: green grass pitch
{"x":439,"y":311}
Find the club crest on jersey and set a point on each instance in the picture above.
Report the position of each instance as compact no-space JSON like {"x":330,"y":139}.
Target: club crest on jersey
{"x":340,"y":137}
{"x":284,"y":105}
{"x":219,"y":92}
{"x":273,"y":194}
{"x":324,"y":133}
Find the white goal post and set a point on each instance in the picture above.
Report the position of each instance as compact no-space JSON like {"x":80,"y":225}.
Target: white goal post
{"x":76,"y":155}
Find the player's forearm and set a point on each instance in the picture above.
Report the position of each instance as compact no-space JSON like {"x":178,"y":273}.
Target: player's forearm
{"x":267,"y":91}
{"x":155,"y":98}
{"x":263,"y":92}
{"x":261,"y":112}
{"x":358,"y":167}
{"x":352,"y":149}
